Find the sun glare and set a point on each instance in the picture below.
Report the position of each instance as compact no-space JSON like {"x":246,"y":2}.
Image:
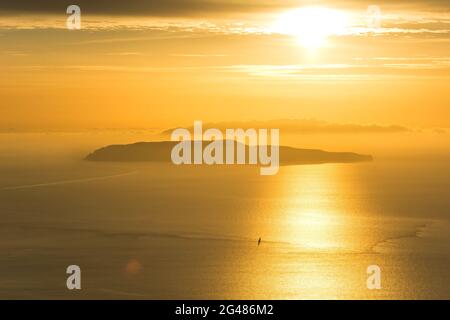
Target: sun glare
{"x":312,"y":25}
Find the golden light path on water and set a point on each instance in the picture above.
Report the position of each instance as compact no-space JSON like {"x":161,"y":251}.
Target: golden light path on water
{"x":317,"y":241}
{"x":316,"y":222}
{"x":307,"y":240}
{"x":312,"y":214}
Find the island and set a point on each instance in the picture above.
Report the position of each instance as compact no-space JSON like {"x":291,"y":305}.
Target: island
{"x":160,"y":151}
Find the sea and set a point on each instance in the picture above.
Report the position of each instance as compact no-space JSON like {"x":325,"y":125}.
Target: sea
{"x":160,"y":231}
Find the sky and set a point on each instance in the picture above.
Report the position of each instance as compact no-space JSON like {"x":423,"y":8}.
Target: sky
{"x":147,"y":64}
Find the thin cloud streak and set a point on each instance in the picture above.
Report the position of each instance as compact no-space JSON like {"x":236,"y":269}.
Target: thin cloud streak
{"x":306,"y":72}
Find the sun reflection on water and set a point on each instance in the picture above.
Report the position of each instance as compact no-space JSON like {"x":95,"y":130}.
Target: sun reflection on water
{"x":312,"y":219}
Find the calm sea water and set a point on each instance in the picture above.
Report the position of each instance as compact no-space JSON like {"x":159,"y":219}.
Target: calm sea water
{"x":156,"y":231}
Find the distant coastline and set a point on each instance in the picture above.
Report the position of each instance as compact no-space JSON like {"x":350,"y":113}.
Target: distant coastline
{"x":160,"y":152}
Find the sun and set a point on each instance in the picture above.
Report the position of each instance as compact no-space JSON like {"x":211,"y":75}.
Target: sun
{"x":312,"y":25}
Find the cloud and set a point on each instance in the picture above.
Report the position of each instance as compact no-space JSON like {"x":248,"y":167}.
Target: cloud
{"x":140,"y":7}
{"x":124,"y":53}
{"x":305,"y":126}
{"x":197,"y":55}
{"x":440,"y":130}
{"x":369,"y":71}
{"x":192,"y":7}
{"x":377,"y":70}
{"x":14,"y":53}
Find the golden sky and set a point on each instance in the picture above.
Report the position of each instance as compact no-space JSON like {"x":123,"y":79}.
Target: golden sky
{"x":167,"y":63}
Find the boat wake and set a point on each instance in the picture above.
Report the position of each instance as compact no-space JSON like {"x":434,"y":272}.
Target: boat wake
{"x":57,"y":183}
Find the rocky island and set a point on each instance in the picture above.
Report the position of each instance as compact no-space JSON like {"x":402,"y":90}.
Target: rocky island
{"x":161,"y":152}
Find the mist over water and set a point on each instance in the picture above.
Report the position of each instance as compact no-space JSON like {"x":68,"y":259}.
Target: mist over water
{"x":156,"y":231}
